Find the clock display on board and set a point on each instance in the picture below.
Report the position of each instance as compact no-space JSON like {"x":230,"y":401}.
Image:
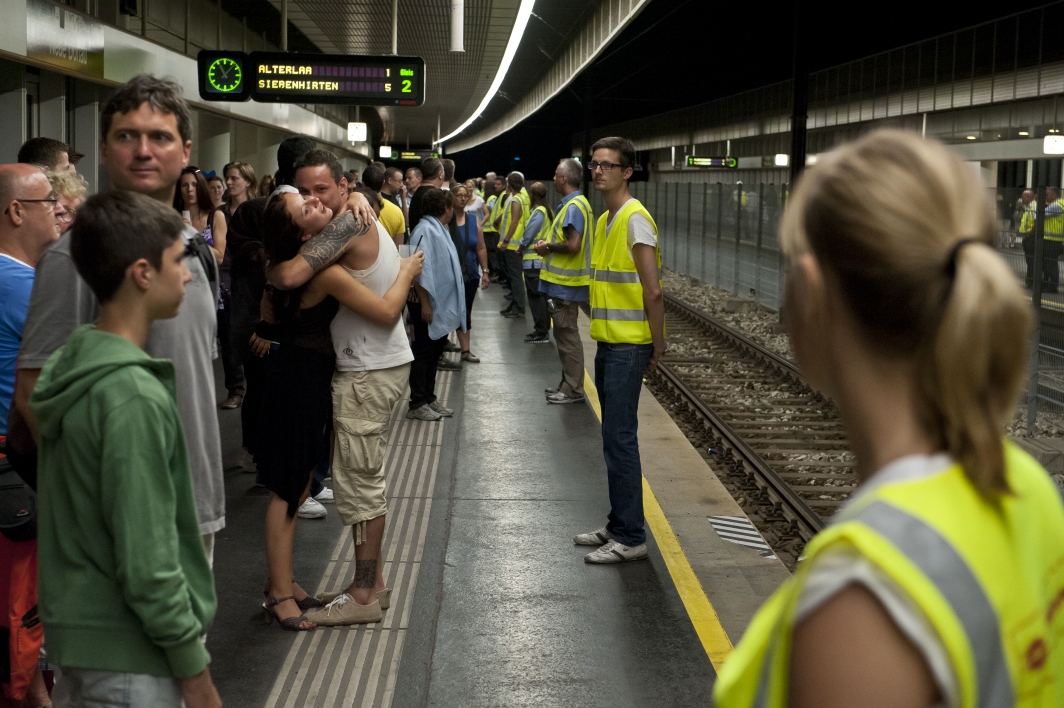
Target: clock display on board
{"x":225,"y":75}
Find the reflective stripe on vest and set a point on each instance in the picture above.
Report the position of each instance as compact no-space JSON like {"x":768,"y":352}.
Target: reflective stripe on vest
{"x":615,"y":291}
{"x":530,"y":253}
{"x":571,"y":269}
{"x":1054,"y":225}
{"x":941,"y":563}
{"x":496,"y":210}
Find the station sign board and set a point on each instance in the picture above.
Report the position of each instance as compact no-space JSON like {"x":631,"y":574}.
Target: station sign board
{"x":725,"y":162}
{"x":63,"y":38}
{"x":416,"y":155}
{"x":283,"y":77}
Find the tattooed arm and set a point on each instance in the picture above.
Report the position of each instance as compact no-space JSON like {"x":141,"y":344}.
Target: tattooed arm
{"x":318,"y":252}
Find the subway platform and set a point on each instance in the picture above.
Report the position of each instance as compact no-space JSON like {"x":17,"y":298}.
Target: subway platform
{"x":492,"y":603}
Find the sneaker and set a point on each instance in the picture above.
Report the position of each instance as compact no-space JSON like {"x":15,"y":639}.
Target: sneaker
{"x":507,"y":310}
{"x":514,"y":314}
{"x":468,"y":356}
{"x":561,"y":398}
{"x":235,"y":400}
{"x":617,"y":552}
{"x":325,"y":495}
{"x":312,"y":510}
{"x":594,"y":538}
{"x":551,"y":391}
{"x":423,"y":413}
{"x":448,"y":365}
{"x":538,"y":339}
{"x":345,"y":611}
{"x":384,"y":597}
{"x":451,"y":347}
{"x":443,"y":410}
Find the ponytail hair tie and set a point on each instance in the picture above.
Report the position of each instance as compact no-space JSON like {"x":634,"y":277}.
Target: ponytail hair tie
{"x":951,"y":260}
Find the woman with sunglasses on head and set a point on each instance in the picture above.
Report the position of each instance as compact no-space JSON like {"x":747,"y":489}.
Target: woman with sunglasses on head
{"x":940,"y":582}
{"x":297,"y":404}
{"x":468,"y":235}
{"x":193,"y":196}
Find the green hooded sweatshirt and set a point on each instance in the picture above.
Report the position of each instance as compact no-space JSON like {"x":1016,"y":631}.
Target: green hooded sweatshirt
{"x":124,"y":580}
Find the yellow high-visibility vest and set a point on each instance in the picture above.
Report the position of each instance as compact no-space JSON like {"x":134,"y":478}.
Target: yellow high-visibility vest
{"x":988,"y":575}
{"x":1028,"y":218}
{"x":616,"y":293}
{"x":494,"y":204}
{"x":530,"y":253}
{"x":1054,"y":226}
{"x":572,"y":269}
{"x":507,"y":219}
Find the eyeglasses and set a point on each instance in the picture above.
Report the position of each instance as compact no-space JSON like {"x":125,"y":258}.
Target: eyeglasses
{"x":50,"y":200}
{"x":67,"y":216}
{"x":604,"y":166}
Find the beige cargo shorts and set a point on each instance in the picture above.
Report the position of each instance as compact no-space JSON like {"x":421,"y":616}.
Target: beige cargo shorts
{"x":362,"y":406}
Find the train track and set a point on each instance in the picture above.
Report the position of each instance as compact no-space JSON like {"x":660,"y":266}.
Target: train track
{"x":779,"y":444}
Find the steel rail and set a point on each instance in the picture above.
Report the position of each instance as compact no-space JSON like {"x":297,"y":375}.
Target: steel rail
{"x":792,"y":506}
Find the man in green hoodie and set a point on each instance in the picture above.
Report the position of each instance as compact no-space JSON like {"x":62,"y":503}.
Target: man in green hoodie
{"x":126,"y":590}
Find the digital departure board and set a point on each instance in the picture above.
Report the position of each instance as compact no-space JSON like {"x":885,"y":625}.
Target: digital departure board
{"x":728,"y":162}
{"x":281,"y":77}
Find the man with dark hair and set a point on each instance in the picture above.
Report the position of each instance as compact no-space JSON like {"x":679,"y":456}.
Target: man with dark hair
{"x":51,"y":154}
{"x":431,"y":178}
{"x":511,"y":228}
{"x":145,"y":140}
{"x":628,"y":322}
{"x":390,"y":215}
{"x":118,"y":523}
{"x":290,"y":150}
{"x":448,"y":174}
{"x":410,"y":185}
{"x":393,"y":185}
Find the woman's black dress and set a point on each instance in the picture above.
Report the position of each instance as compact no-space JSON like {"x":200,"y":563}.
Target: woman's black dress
{"x":297,"y":410}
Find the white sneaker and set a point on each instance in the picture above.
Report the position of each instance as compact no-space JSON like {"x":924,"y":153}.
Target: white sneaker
{"x":425,"y":412}
{"x":594,"y":538}
{"x":443,"y":410}
{"x":325,"y":495}
{"x":617,"y":552}
{"x":312,"y":510}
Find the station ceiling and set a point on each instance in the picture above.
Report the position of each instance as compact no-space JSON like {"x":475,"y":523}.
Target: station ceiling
{"x":456,"y":81}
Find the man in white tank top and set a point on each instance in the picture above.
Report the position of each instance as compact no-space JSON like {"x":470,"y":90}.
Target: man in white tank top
{"x":372,"y":368}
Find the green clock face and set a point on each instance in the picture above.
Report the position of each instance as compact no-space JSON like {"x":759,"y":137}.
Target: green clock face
{"x":225,"y":75}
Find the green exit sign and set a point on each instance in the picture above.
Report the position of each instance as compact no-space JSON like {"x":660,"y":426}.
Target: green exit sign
{"x":725,"y":162}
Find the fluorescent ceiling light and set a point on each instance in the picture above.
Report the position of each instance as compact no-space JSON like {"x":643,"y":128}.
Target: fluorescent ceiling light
{"x":385,"y":151}
{"x":523,"y":13}
{"x":782,"y":159}
{"x":971,"y":137}
{"x":1024,"y":132}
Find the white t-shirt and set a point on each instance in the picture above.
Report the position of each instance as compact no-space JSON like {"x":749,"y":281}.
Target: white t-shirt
{"x":361,"y":345}
{"x":476,"y":205}
{"x":843,"y":566}
{"x":639,"y":229}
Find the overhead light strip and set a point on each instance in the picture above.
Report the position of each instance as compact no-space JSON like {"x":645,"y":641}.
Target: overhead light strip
{"x":523,"y":13}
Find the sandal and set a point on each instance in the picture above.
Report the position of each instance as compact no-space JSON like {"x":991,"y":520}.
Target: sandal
{"x":292,"y":624}
{"x":310,"y":602}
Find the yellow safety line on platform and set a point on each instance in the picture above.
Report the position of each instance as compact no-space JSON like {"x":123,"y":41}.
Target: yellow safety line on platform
{"x":703,"y":616}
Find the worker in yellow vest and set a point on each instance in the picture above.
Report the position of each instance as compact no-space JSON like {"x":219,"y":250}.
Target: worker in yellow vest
{"x":511,"y":228}
{"x":491,"y":234}
{"x":498,"y":208}
{"x":539,"y":220}
{"x":628,"y":322}
{"x":941,"y":581}
{"x":564,"y":278}
{"x":1053,"y":246}
{"x":1025,"y":207}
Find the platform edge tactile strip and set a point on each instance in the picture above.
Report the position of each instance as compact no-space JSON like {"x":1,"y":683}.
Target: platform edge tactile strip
{"x":357,"y":666}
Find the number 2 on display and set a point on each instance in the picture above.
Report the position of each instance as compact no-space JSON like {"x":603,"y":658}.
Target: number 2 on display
{"x":406,"y":86}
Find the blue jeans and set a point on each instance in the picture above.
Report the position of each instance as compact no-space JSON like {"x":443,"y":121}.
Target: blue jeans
{"x":88,"y":688}
{"x":619,"y":372}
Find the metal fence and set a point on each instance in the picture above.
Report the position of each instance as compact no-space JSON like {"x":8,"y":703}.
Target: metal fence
{"x":725,"y":235}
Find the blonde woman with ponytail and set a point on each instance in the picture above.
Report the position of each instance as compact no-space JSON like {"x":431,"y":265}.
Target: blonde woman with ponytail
{"x":941,"y":581}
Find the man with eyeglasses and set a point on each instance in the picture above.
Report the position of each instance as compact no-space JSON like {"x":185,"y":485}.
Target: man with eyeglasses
{"x":28,"y":226}
{"x":628,"y":322}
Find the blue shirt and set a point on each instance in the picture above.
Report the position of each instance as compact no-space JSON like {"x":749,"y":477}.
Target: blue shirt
{"x":16,"y":284}
{"x":575,"y":218}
